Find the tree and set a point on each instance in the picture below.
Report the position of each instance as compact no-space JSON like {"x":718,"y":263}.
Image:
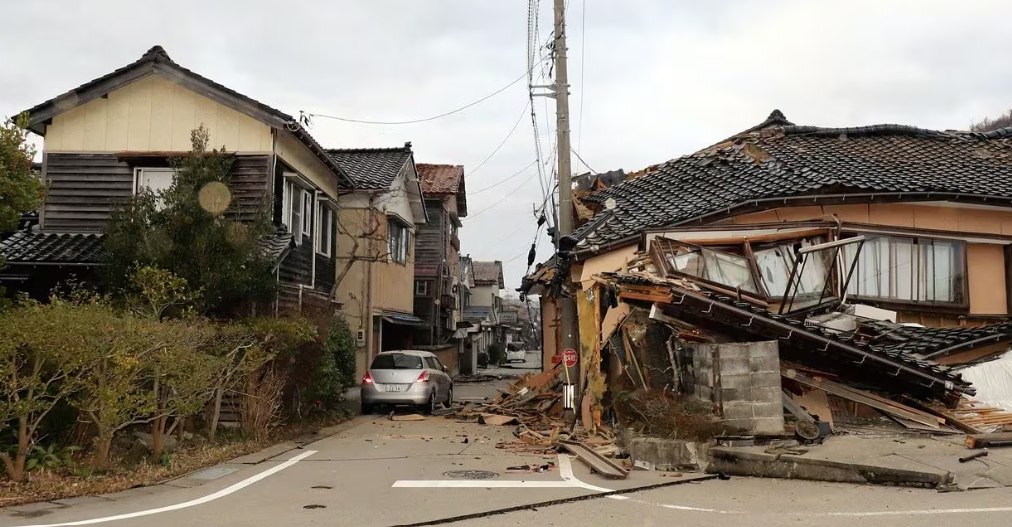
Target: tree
{"x":369,"y":241}
{"x":40,"y":366}
{"x":20,"y":190}
{"x":192,"y":230}
{"x":990,"y":124}
{"x":237,"y":352}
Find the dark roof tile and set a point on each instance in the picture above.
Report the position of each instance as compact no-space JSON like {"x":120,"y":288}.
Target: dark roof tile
{"x":777,"y":160}
{"x":372,"y":168}
{"x":30,"y":247}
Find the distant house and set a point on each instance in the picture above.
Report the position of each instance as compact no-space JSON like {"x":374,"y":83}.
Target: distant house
{"x":379,"y":222}
{"x":113,"y":136}
{"x":437,"y":264}
{"x":487,"y":293}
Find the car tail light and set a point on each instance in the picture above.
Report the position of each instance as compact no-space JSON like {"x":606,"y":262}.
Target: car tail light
{"x":423,"y":377}
{"x":367,"y":379}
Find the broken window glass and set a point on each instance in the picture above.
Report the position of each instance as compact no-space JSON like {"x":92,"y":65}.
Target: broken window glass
{"x":721,"y":268}
{"x":812,"y":281}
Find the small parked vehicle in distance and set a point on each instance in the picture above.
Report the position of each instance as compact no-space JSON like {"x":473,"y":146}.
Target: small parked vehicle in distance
{"x":406,"y":377}
{"x":516,"y":355}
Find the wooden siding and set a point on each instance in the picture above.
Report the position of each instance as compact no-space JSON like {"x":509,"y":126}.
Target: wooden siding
{"x":84,"y":189}
{"x":432,"y":238}
{"x":153,"y":114}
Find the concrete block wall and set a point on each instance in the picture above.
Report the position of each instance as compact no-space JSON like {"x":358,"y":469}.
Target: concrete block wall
{"x":743,"y":382}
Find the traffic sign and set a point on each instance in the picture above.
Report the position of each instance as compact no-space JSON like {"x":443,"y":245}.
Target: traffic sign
{"x":569,"y":357}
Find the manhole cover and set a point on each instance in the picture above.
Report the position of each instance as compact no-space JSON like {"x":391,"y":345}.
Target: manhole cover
{"x":471,"y":474}
{"x":314,"y":506}
{"x":321,"y":487}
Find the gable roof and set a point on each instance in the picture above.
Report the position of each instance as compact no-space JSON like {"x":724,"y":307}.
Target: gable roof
{"x":372,"y":168}
{"x":156,"y":60}
{"x":488,"y":273}
{"x":444,"y":180}
{"x":777,"y":162}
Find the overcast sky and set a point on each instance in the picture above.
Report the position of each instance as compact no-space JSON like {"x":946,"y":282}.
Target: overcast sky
{"x":651,"y":79}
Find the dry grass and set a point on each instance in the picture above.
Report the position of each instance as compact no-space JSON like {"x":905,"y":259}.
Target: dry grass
{"x":50,"y":485}
{"x":659,"y":414}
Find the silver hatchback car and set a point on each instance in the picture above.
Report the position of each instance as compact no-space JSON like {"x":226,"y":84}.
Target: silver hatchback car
{"x":406,"y":377}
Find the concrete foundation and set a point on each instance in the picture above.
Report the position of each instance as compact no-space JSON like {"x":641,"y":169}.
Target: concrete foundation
{"x":669,"y":454}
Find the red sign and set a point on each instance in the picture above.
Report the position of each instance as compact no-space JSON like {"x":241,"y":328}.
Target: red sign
{"x":569,"y":357}
{"x":556,"y":359}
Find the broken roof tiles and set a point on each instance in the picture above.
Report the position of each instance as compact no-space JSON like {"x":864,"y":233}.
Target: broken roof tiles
{"x":440,"y":179}
{"x":780,"y":161}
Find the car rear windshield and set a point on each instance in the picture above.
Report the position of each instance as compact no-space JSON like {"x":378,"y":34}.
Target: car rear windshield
{"x":396,"y":361}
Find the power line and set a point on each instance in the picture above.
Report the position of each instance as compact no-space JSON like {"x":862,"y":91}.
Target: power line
{"x":434,"y":117}
{"x":507,"y":138}
{"x":582,"y":161}
{"x":521,"y":171}
{"x":583,"y":87}
{"x":502,"y":200}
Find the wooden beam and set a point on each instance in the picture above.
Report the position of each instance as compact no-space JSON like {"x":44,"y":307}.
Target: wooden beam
{"x":865,"y":398}
{"x":984,"y":440}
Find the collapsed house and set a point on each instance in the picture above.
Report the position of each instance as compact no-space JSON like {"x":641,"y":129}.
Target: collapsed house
{"x":851,"y":267}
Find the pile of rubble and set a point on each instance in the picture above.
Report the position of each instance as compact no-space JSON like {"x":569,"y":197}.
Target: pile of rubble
{"x":533,"y":406}
{"x":693,"y":319}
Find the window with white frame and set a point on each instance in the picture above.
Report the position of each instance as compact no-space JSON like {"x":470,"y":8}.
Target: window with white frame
{"x":154,"y":180}
{"x":324,"y":230}
{"x":901,"y":269}
{"x":291,"y":209}
{"x":421,"y":288}
{"x":307,"y":213}
{"x":398,"y":241}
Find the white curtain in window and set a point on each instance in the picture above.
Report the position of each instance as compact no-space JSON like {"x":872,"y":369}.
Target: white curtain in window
{"x":907,"y":269}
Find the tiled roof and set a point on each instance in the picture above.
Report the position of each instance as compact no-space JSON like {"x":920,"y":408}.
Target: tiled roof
{"x":276,"y":247}
{"x":936,"y":342}
{"x":440,"y":179}
{"x":156,"y":57}
{"x":29,"y":247}
{"x":486,"y":273}
{"x":32,"y":247}
{"x":372,"y":168}
{"x":778,"y":160}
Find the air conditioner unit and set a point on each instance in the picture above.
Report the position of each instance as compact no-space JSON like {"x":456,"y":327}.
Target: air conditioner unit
{"x":360,"y":337}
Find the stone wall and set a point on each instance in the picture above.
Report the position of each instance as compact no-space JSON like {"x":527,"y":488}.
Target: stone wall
{"x":743,"y":382}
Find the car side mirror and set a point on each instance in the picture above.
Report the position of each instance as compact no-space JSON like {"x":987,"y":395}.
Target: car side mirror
{"x":445,"y":369}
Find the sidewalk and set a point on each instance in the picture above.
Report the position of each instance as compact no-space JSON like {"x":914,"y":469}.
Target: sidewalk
{"x":901,"y":460}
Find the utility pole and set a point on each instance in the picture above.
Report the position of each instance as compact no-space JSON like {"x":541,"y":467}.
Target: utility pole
{"x":569,"y":324}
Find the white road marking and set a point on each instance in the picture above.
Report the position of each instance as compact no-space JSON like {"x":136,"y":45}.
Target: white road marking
{"x":569,"y":480}
{"x":480,"y":484}
{"x":192,"y":503}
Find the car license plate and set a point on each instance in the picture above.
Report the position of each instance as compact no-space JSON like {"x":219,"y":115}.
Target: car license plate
{"x":394,"y":388}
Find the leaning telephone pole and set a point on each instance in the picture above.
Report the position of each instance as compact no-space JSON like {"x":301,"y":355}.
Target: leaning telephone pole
{"x":569,"y":324}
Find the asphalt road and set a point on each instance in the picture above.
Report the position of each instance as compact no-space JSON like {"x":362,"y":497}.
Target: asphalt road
{"x":379,"y":472}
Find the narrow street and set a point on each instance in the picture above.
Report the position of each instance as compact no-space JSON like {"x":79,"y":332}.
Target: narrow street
{"x":378,"y":472}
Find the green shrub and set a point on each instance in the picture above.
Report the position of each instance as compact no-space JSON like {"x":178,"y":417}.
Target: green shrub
{"x":335,"y":366}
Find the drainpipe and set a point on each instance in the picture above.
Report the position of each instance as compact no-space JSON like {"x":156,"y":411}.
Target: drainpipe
{"x":369,"y":300}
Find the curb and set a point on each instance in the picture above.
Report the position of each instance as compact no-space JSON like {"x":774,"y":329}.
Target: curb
{"x":787,"y":466}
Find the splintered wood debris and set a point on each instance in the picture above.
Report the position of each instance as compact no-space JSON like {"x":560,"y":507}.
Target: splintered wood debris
{"x":534,"y":405}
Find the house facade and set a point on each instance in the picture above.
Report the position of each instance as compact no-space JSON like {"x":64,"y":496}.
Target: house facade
{"x":113,"y":136}
{"x":437,"y":265}
{"x":379,"y":224}
{"x":923,"y":219}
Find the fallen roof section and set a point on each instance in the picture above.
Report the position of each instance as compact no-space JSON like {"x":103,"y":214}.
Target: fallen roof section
{"x":894,"y":370}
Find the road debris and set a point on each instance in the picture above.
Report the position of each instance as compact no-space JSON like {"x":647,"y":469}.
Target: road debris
{"x":975,"y":455}
{"x":407,"y":417}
